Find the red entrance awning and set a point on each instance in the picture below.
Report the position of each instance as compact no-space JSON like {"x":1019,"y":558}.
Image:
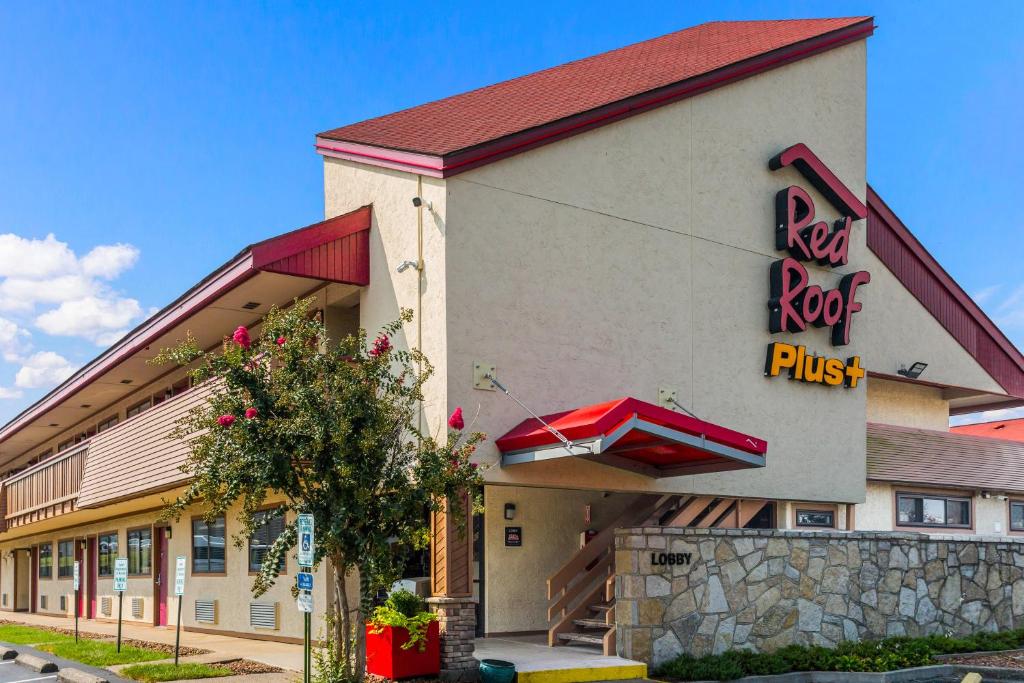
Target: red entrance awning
{"x":634,"y":435}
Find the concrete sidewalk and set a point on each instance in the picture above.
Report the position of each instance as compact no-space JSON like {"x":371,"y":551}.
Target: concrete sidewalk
{"x":283,"y":655}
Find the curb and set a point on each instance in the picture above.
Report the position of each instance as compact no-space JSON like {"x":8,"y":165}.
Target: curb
{"x":39,"y":664}
{"x":70,"y":675}
{"x":953,"y":673}
{"x":7,"y":653}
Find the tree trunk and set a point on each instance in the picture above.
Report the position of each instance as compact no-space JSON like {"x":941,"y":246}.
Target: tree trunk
{"x":343,"y":623}
{"x":365,"y":605}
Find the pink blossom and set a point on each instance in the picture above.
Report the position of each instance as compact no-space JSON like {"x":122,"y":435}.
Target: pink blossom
{"x":455,"y":421}
{"x":241,"y":337}
{"x":226,"y":420}
{"x":381,"y":345}
{"x":250,"y":413}
{"x":473,"y":465}
{"x":281,"y":341}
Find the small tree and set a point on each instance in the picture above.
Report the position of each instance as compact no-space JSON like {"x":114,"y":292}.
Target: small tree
{"x":331,"y":428}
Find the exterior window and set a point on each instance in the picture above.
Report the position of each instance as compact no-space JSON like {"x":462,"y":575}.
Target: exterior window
{"x":65,"y":559}
{"x":937,"y":511}
{"x":46,"y":561}
{"x":264,"y":537}
{"x":107,"y":424}
{"x":107,"y":554}
{"x":140,"y":549}
{"x":1016,"y":516}
{"x":208,"y":546}
{"x":139,"y":408}
{"x":65,"y":445}
{"x":817,"y":518}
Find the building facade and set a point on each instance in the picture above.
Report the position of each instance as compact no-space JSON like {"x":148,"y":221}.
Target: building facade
{"x":670,"y":252}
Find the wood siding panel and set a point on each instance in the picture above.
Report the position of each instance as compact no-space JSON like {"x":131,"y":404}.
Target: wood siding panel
{"x":943,"y":459}
{"x":137,"y":456}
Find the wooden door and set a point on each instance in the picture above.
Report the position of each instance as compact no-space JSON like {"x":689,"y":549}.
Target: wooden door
{"x":93,"y":570}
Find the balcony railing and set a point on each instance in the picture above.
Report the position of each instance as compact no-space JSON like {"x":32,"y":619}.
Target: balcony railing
{"x":46,"y":489}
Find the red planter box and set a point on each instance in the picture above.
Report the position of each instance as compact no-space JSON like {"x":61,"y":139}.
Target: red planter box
{"x":385,"y":656}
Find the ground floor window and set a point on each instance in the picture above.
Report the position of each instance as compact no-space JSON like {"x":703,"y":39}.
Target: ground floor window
{"x":208,"y":546}
{"x":917,"y":509}
{"x":271,"y":526}
{"x":46,"y":561}
{"x":816,"y":518}
{"x":65,"y":559}
{"x":1016,"y":515}
{"x":107,"y":554}
{"x":140,"y":547}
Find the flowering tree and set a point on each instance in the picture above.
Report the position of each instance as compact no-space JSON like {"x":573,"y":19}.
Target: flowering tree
{"x":331,"y":428}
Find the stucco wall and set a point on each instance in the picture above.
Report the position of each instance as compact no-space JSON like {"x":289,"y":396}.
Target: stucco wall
{"x":762,"y":590}
{"x":637,"y":255}
{"x":908,"y":405}
{"x":515,"y":588}
{"x":877,"y":513}
{"x":231,"y":590}
{"x":393,"y":239}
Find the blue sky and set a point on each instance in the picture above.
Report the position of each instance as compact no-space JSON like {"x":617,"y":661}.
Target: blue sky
{"x":154,"y":140}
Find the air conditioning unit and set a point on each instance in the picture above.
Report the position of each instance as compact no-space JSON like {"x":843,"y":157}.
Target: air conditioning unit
{"x":206,"y":611}
{"x":263,"y":615}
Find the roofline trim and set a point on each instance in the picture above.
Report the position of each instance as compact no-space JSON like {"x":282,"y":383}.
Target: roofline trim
{"x":443,"y":166}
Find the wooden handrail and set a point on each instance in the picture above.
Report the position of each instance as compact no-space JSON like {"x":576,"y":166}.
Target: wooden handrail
{"x":569,"y":595}
{"x":600,"y":543}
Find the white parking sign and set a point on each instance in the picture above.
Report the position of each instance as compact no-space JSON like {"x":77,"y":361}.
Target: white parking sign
{"x":120,"y":574}
{"x":305,"y":527}
{"x":179,"y":575}
{"x":75,"y":575}
{"x":304,"y":602}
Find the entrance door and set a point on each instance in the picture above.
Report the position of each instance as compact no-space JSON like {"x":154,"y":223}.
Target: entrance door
{"x":161,"y":577}
{"x":34,"y":579}
{"x":22,"y":585}
{"x":83,"y":573}
{"x":92,"y":561}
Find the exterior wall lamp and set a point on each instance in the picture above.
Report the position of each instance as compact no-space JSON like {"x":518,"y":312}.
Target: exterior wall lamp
{"x":510,"y":511}
{"x":914,"y":371}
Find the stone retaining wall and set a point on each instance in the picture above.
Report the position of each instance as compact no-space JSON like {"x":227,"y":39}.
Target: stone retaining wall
{"x":705,"y":591}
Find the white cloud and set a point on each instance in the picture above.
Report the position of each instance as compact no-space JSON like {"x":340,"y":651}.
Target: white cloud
{"x":29,"y":258}
{"x":43,"y":369}
{"x":6,"y":393}
{"x":92,"y":317}
{"x":109,"y":261}
{"x":14,"y":341}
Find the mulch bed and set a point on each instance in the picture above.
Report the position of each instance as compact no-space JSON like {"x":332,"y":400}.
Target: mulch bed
{"x":241,"y":667}
{"x":1002,"y":660}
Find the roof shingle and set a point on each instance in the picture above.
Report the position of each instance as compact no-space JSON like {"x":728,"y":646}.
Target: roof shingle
{"x":487,"y":114}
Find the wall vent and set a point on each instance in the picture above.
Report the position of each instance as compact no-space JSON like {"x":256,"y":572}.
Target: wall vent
{"x":263,"y":615}
{"x":63,"y":603}
{"x":137,"y":608}
{"x":206,"y":611}
{"x":42,"y":602}
{"x":3,"y":600}
{"x":107,"y":606}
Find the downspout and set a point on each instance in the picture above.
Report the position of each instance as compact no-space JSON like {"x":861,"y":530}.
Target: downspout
{"x":419,"y":290}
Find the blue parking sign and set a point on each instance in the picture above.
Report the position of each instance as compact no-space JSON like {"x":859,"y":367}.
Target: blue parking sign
{"x":305,"y":581}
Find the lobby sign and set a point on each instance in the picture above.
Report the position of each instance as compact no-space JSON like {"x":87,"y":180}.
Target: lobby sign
{"x":513,"y":536}
{"x":794,"y":303}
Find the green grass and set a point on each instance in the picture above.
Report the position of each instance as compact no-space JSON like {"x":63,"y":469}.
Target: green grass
{"x":100,"y":652}
{"x":152,"y":673}
{"x":27,"y":635}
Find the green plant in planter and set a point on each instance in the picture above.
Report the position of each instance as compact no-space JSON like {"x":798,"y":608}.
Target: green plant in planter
{"x":405,"y":610}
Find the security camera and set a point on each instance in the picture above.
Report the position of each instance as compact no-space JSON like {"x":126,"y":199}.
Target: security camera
{"x":417,"y":202}
{"x":406,"y":265}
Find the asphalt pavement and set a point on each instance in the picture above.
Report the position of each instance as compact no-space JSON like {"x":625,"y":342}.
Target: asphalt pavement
{"x":12,"y":672}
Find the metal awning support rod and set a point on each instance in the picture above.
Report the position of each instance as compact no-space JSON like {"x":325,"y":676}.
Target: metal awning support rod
{"x":558,"y":435}
{"x":703,"y":437}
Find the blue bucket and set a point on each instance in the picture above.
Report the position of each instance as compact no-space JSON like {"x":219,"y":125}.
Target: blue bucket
{"x":496,"y":671}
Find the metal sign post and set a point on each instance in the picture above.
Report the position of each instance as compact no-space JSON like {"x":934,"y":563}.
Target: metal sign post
{"x":77,"y":581}
{"x":120,"y":586}
{"x":179,"y":590}
{"x":304,"y":580}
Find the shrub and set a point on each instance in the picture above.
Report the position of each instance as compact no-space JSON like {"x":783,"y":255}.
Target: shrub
{"x":405,"y":610}
{"x":889,"y":654}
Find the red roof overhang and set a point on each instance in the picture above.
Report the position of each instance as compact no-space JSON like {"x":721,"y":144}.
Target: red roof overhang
{"x":634,"y":435}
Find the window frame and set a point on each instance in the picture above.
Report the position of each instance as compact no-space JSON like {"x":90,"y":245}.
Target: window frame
{"x":248,"y":555}
{"x":192,"y":546}
{"x":39,"y":561}
{"x":128,"y":549}
{"x":946,"y":497}
{"x":139,"y":408}
{"x":109,"y":423}
{"x":1010,"y":502}
{"x":71,"y":568}
{"x":99,"y":553}
{"x":797,"y":511}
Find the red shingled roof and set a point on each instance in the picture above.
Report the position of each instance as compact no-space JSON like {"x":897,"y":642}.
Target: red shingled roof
{"x":1012,"y":430}
{"x":462,"y":122}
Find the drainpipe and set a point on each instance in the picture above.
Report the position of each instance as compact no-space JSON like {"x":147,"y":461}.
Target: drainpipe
{"x":419,"y":289}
